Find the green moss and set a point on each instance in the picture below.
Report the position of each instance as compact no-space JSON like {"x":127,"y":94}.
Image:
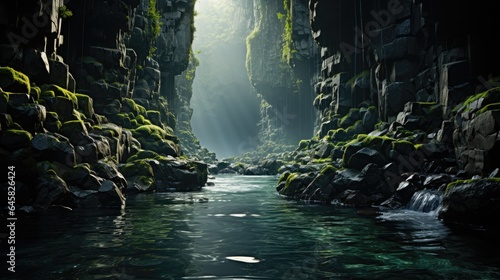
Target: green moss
{"x":70,"y":127}
{"x":486,"y":95}
{"x":35,"y":92}
{"x":129,"y":105}
{"x":350,"y":118}
{"x":14,"y":81}
{"x":287,"y":36}
{"x":147,"y":130}
{"x":154,"y":28}
{"x":85,"y":104}
{"x":154,"y":117}
{"x":303,"y":144}
{"x":146,"y":180}
{"x":142,"y":154}
{"x":108,"y":130}
{"x":250,"y":42}
{"x":15,"y":138}
{"x":489,"y":107}
{"x":48,"y":93}
{"x":284,"y":176}
{"x":328,"y":169}
{"x":171,"y":120}
{"x":290,"y":179}
{"x":137,"y":168}
{"x":469,"y":181}
{"x":142,"y":121}
{"x":59,"y":91}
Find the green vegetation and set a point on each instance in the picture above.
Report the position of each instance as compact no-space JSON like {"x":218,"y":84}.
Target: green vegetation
{"x":494,"y":92}
{"x":35,"y":92}
{"x":137,"y":168}
{"x":489,"y":107}
{"x":288,"y":50}
{"x":193,"y":63}
{"x":328,"y":169}
{"x":154,"y":25}
{"x":152,"y":130}
{"x":250,"y":41}
{"x":303,"y":144}
{"x":64,"y":12}
{"x":59,"y":91}
{"x":142,"y":154}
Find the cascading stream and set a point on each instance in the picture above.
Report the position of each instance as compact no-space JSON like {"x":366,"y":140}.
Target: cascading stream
{"x":425,"y":201}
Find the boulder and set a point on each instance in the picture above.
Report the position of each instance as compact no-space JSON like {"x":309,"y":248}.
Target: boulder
{"x":320,"y":189}
{"x":109,"y":171}
{"x":14,"y":81}
{"x":13,"y":139}
{"x":295,"y":184}
{"x":363,"y":157}
{"x":255,"y":170}
{"x":50,"y":190}
{"x":29,"y":116}
{"x":108,"y":195}
{"x":50,"y":147}
{"x":472,"y":203}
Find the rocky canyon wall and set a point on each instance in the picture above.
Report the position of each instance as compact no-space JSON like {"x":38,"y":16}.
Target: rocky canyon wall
{"x":415,"y":61}
{"x":280,"y":63}
{"x":89,"y":100}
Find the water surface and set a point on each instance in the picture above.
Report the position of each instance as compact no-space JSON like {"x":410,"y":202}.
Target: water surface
{"x":240,"y":229}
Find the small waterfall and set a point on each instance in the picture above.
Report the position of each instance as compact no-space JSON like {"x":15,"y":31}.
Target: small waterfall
{"x":425,"y":201}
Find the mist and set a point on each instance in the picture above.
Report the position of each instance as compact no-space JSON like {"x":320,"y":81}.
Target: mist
{"x":226,"y":111}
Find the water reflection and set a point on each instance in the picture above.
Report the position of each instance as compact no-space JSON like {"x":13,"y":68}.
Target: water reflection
{"x":177,"y":236}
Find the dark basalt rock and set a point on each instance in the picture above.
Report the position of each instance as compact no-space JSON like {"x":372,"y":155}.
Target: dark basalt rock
{"x":472,"y":203}
{"x":53,"y":148}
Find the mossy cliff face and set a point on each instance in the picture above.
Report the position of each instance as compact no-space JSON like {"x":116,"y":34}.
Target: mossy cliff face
{"x":418,"y":78}
{"x":280,"y":53}
{"x":70,"y":139}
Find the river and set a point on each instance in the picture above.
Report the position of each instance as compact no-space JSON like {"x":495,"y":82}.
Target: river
{"x":241,"y":229}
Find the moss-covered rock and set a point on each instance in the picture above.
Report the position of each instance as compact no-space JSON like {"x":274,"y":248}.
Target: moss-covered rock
{"x":13,"y":139}
{"x":59,"y":91}
{"x":139,"y":175}
{"x":472,"y":203}
{"x":14,"y":81}
{"x":129,"y":105}
{"x":85,"y":104}
{"x":35,"y":93}
{"x":74,"y":130}
{"x":142,"y":154}
{"x":295,"y":184}
{"x":52,"y":122}
{"x":154,"y":117}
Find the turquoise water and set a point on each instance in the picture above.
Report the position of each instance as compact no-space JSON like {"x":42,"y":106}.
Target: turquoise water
{"x":240,"y":229}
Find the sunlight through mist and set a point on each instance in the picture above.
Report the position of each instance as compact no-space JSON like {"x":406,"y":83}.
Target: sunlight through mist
{"x":225,"y":110}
